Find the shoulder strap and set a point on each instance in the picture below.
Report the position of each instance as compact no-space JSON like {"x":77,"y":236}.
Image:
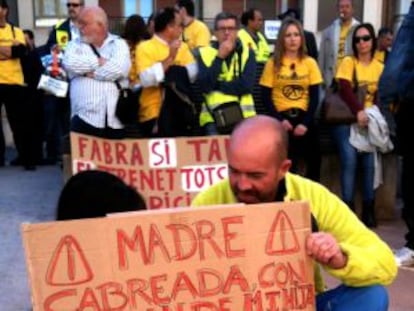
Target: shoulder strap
{"x":354,"y":75}
{"x":13,"y":31}
{"x":95,"y":51}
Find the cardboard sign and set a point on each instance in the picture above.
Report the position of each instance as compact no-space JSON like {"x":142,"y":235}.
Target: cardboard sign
{"x":168,"y":172}
{"x":233,"y":258}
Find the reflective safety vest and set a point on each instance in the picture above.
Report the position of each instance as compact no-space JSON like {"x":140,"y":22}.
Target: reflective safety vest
{"x":62,"y":36}
{"x":216,"y":98}
{"x":261,"y":48}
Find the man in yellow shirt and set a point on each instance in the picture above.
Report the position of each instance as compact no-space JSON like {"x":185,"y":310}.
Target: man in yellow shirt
{"x":154,"y":58}
{"x":336,"y":41}
{"x":12,"y":90}
{"x":385,"y":39}
{"x":195,"y":32}
{"x":343,"y":246}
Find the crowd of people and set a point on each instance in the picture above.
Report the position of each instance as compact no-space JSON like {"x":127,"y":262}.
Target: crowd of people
{"x":173,"y":59}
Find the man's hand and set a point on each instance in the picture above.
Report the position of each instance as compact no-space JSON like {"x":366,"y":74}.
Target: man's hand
{"x":174,"y":47}
{"x":324,"y":248}
{"x":226,"y":47}
{"x":102,"y":61}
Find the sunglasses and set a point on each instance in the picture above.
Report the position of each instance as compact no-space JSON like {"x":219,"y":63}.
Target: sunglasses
{"x":365,"y":38}
{"x":294,"y":75}
{"x":75,"y":5}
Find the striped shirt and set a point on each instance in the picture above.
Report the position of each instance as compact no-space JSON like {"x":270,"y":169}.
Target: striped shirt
{"x":94,"y":99}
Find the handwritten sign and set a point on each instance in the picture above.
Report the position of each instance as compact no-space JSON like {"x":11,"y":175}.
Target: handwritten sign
{"x":187,"y":259}
{"x":168,"y":172}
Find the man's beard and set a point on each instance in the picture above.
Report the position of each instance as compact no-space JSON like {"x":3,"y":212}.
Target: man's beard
{"x":86,"y":39}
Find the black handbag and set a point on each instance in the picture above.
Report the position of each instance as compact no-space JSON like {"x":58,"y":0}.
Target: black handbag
{"x":335,"y":110}
{"x":127,"y":105}
{"x":226,"y":116}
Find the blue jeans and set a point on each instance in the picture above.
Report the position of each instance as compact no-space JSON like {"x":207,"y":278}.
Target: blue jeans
{"x":56,"y":118}
{"x":349,"y":157}
{"x":345,"y":298}
{"x":210,"y":129}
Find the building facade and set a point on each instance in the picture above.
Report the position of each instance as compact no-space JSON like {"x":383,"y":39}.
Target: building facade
{"x":40,"y":15}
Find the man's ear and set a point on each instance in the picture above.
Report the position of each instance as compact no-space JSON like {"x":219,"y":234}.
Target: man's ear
{"x":284,"y":167}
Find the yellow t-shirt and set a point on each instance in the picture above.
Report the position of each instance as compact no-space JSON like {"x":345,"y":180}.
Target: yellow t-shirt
{"x":380,"y":56}
{"x":290,"y":86}
{"x":10,"y":69}
{"x":147,"y":54}
{"x":366,"y":75}
{"x":341,"y":45}
{"x":196,"y":34}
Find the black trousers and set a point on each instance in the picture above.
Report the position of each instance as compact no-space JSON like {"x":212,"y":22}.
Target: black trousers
{"x":404,"y":121}
{"x":304,"y":148}
{"x":19,"y":115}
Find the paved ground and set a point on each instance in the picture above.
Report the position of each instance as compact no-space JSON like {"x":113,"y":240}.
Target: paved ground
{"x":31,"y":197}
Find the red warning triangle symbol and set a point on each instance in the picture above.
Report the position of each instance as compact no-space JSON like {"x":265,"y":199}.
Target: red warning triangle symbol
{"x":68,"y":265}
{"x":282,"y":238}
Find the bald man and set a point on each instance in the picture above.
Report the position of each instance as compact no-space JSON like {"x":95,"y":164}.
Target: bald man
{"x":94,"y":62}
{"x":258,"y":173}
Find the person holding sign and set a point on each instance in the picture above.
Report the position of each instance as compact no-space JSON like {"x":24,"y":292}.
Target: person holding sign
{"x":344,"y":247}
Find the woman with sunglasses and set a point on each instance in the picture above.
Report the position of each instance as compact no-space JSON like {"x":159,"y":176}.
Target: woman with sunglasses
{"x":364,"y":69}
{"x":290,"y":90}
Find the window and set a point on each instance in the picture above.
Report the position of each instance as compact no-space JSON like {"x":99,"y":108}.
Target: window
{"x":49,"y":12}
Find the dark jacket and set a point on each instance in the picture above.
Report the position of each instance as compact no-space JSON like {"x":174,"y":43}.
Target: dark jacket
{"x":396,"y":86}
{"x":179,"y":112}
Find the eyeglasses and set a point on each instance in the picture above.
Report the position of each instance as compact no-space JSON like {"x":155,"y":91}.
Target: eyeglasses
{"x":75,"y":5}
{"x":225,"y":29}
{"x":365,"y":38}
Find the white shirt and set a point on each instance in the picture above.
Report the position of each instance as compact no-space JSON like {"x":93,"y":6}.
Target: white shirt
{"x":94,"y":99}
{"x":74,"y":31}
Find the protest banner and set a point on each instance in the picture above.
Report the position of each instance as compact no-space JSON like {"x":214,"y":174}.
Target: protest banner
{"x":232,"y":258}
{"x":168,"y":172}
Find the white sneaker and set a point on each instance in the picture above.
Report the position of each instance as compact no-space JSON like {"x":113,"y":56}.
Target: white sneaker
{"x":404,"y":256}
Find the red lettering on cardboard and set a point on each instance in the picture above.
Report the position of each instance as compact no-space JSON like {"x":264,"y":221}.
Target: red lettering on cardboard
{"x":69,"y":256}
{"x":282,"y":238}
{"x":161,"y":150}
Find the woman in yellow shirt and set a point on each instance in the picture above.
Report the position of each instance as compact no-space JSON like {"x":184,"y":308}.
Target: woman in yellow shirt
{"x":367,"y":72}
{"x":135,"y":32}
{"x":290,"y":90}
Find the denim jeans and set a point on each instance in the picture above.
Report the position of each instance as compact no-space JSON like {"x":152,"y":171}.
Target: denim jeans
{"x":210,"y":129}
{"x":397,"y":86}
{"x":346,"y":298}
{"x":349,"y":158}
{"x":56,"y":118}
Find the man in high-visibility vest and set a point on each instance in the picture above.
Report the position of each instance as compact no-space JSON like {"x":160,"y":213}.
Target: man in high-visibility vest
{"x":250,"y":35}
{"x":226,"y":73}
{"x":56,"y":109}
